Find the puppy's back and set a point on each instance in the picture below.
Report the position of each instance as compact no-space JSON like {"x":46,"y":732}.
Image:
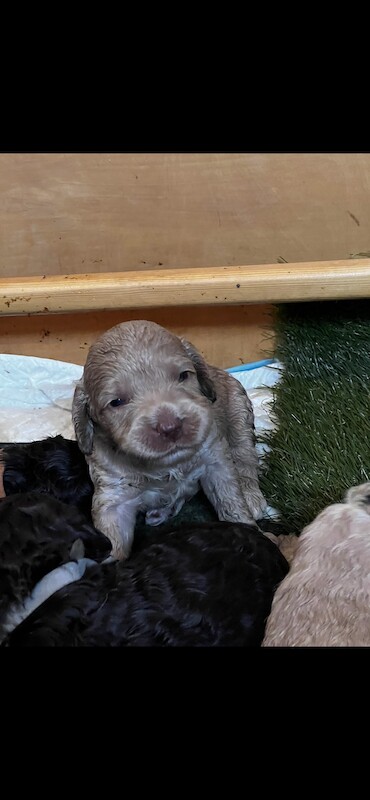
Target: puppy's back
{"x":325,"y":599}
{"x":54,"y":465}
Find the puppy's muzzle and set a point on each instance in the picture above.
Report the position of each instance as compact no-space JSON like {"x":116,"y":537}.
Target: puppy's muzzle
{"x":168,"y":426}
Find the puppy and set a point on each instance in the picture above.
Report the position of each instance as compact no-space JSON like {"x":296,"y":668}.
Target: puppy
{"x":38,"y":533}
{"x":53,"y":465}
{"x":325,"y":599}
{"x":155,"y":423}
{"x":206,"y":585}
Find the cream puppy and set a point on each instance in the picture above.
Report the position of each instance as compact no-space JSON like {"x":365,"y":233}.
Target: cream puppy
{"x":324,"y":601}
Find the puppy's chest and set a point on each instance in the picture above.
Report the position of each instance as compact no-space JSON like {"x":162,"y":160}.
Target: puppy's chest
{"x":155,"y":487}
{"x":168,"y":486}
{"x":171,"y":477}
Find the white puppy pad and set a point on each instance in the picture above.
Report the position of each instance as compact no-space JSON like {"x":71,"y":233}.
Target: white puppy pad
{"x":36,"y":398}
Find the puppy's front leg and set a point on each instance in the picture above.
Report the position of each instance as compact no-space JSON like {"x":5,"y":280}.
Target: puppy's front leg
{"x":116,"y":521}
{"x":246,"y":466}
{"x":240,"y":435}
{"x":220,"y":484}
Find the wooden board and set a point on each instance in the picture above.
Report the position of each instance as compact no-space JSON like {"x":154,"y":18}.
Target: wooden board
{"x":227,"y":336}
{"x":70,"y":213}
{"x":319,"y":280}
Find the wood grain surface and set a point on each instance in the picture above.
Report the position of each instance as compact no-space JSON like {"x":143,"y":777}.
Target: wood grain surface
{"x":71,"y":213}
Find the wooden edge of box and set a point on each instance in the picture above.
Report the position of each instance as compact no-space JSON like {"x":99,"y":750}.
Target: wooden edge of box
{"x":266,"y":283}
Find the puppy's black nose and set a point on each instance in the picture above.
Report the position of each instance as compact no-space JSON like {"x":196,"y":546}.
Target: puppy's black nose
{"x":168,"y":426}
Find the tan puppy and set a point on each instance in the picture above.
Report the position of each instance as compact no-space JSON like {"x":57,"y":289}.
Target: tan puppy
{"x":324,"y":601}
{"x":155,"y":423}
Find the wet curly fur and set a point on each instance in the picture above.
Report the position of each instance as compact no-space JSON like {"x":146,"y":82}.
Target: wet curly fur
{"x":37,"y":533}
{"x":206,"y":585}
{"x":324,"y":601}
{"x":54,"y":465}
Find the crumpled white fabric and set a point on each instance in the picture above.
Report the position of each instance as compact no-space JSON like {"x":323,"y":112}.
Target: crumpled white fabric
{"x":36,"y":396}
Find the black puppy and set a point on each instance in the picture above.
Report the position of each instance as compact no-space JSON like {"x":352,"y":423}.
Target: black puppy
{"x":54,"y":465}
{"x":206,"y":585}
{"x":37,"y":534}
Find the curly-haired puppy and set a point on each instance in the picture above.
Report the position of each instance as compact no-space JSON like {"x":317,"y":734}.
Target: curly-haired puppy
{"x":209,"y":585}
{"x":53,"y":465}
{"x":325,"y":599}
{"x":156,"y":422}
{"x":38,"y":534}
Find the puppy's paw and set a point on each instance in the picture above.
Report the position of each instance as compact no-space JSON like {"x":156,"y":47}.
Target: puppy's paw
{"x":157,"y":515}
{"x":255,"y":501}
{"x":287,"y":545}
{"x":359,"y":496}
{"x":119,"y":551}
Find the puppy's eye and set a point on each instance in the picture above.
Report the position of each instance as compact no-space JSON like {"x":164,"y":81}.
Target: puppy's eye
{"x":184,"y":375}
{"x":118,"y":401}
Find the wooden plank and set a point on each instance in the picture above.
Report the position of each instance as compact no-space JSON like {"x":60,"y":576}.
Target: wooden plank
{"x":271,"y":283}
{"x":67,"y":213}
{"x":226,"y":335}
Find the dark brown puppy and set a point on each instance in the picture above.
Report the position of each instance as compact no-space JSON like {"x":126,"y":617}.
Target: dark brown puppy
{"x":205,"y":585}
{"x":38,"y":534}
{"x":53,"y":465}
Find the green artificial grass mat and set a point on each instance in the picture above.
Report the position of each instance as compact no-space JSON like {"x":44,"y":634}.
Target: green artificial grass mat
{"x":321,"y":445}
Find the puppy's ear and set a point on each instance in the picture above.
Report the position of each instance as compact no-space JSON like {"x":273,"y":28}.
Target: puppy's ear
{"x":82,"y":421}
{"x":201,"y":368}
